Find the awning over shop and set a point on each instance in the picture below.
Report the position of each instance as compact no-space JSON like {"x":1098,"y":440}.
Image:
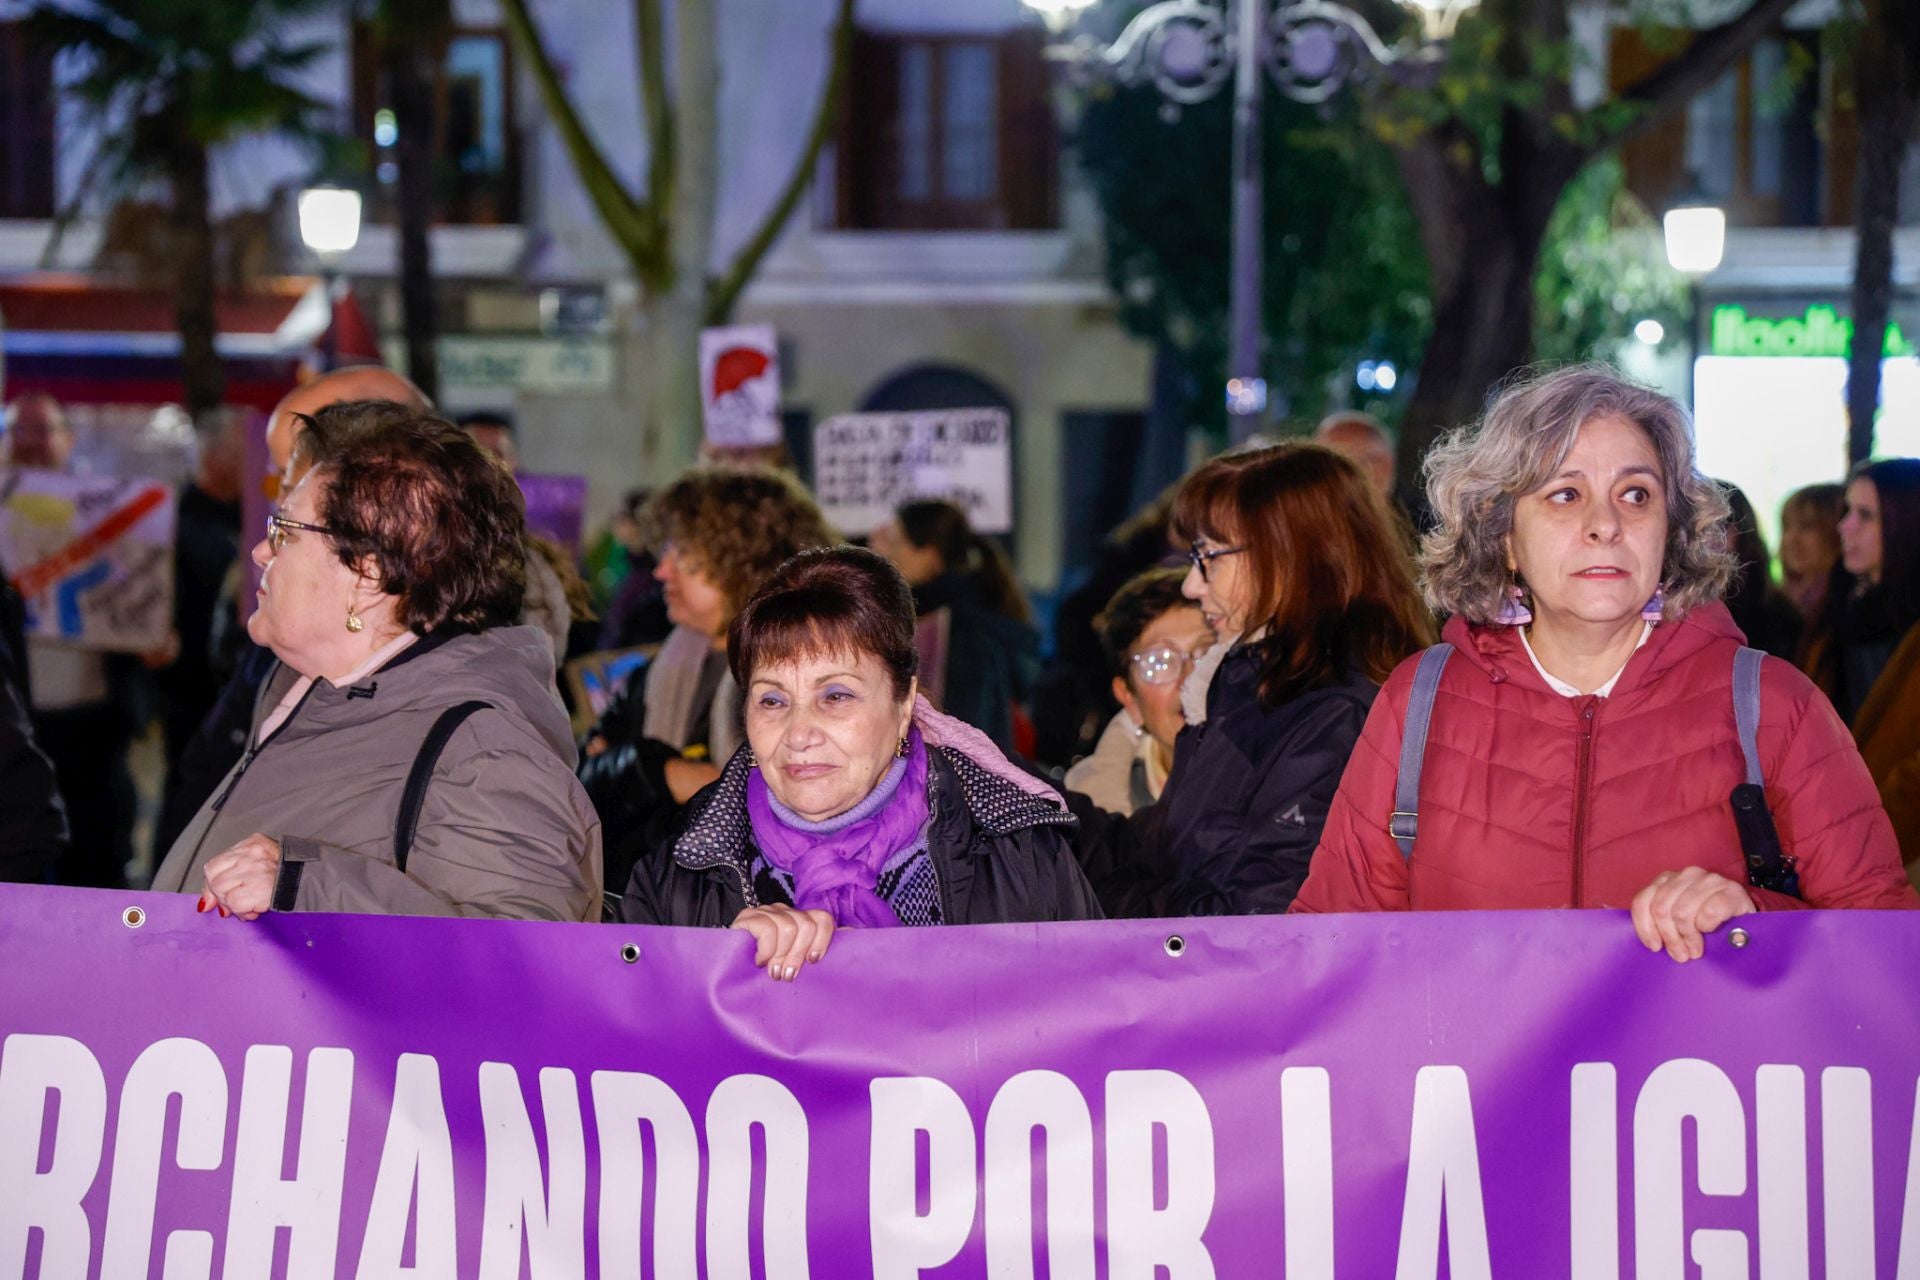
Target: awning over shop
{"x":85,"y":343}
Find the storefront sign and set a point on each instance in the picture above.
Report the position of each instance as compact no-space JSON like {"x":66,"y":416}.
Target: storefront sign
{"x":475,"y":367}
{"x":1820,"y":331}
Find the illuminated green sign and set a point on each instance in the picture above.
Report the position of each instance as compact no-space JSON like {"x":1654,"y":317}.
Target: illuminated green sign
{"x":1820,"y":331}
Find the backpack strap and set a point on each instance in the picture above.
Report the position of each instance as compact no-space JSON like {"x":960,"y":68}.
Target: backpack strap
{"x":422,"y":773}
{"x":1404,"y":823}
{"x":1768,"y":865}
{"x":1746,"y":708}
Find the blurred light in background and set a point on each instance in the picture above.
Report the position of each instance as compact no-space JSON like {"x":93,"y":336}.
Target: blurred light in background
{"x":329,"y":220}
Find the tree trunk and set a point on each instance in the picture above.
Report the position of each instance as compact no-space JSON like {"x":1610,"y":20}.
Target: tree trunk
{"x":669,"y":385}
{"x":201,"y":374}
{"x":1483,"y":253}
{"x":674,"y":316}
{"x":1888,"y":101}
{"x":411,"y":92}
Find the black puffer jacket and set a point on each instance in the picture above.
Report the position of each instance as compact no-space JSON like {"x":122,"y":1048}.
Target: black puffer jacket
{"x":1237,"y":823}
{"x":1001,"y":855}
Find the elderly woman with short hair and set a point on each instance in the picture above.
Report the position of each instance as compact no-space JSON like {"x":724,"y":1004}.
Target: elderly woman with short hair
{"x":1583,"y":748}
{"x":409,"y":754}
{"x":855,"y":803}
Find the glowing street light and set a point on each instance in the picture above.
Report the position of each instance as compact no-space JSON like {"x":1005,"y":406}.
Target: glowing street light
{"x":1696,"y":233}
{"x":330,"y":227}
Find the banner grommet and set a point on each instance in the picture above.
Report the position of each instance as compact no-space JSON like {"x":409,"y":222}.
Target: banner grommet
{"x":133,"y":917}
{"x":630,"y":952}
{"x":1175,"y":945}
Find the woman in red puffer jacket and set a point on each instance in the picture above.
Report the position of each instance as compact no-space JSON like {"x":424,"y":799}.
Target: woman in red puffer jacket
{"x":1583,"y":748}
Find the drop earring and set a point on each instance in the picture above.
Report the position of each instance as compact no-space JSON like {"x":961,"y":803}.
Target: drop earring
{"x":354,"y":624}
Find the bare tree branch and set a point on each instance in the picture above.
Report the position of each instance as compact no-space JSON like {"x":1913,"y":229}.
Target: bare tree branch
{"x":636,"y":225}
{"x":726,"y":290}
{"x":651,"y":33}
{"x":1662,"y":92}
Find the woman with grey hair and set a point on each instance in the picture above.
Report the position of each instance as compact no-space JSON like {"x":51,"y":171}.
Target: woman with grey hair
{"x":1577,"y":738}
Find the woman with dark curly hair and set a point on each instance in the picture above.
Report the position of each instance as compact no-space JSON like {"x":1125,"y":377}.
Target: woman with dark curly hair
{"x":409,"y":755}
{"x":718,"y":533}
{"x":1582,"y":737}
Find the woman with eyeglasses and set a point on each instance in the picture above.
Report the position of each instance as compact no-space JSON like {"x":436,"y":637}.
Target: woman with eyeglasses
{"x":1152,"y":633}
{"x":1296,"y":567}
{"x":408,"y":754}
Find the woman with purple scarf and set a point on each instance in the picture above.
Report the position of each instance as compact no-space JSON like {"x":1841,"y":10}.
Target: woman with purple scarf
{"x":856,"y":804}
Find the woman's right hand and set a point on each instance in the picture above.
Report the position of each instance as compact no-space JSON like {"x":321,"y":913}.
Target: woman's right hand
{"x":784,"y":939}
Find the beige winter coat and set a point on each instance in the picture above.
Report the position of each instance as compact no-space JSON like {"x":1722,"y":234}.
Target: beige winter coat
{"x":504,"y":828}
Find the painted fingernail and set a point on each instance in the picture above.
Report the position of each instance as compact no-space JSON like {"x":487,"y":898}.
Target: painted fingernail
{"x":224,"y":913}
{"x":813,"y":957}
{"x":793,"y":971}
{"x":201,"y":905}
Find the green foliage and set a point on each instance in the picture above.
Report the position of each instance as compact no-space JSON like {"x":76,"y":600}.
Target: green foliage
{"x":160,"y":74}
{"x":1602,"y":271}
{"x":1344,"y":281}
{"x":1346,"y":277}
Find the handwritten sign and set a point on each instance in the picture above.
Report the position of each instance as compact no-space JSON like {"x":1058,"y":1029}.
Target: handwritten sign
{"x":866,"y":464}
{"x":740,"y":385}
{"x":91,"y":555}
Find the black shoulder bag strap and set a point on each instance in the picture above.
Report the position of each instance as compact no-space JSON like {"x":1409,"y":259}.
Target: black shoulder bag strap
{"x":1404,"y":824}
{"x":422,"y":773}
{"x":1768,"y":866}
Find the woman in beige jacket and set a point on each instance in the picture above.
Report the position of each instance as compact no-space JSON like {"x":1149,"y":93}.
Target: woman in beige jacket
{"x":410,"y":755}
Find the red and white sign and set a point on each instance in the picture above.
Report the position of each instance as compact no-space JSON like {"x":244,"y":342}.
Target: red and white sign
{"x":740,"y":385}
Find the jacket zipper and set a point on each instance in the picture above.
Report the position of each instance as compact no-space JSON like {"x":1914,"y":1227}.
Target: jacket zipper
{"x":253,"y":752}
{"x":1583,"y":780}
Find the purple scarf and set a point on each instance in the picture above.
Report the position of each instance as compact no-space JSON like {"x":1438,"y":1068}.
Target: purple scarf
{"x":835,"y":864}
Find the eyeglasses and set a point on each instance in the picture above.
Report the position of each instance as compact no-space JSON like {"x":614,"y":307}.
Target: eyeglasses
{"x":278,"y":526}
{"x":1162,"y":664}
{"x":1202,"y":557}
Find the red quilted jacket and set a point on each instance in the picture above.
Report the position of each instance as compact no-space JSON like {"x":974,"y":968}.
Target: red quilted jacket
{"x":1531,"y":799}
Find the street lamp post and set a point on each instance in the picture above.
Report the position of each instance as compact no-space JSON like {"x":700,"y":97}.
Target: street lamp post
{"x":1695,"y":230}
{"x":1189,"y":50}
{"x":330,"y":227}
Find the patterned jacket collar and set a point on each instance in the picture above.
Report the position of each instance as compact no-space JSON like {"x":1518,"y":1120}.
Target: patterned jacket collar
{"x":717,"y":829}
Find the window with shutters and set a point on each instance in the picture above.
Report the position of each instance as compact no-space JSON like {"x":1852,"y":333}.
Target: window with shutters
{"x":475,"y":142}
{"x":948,"y":133}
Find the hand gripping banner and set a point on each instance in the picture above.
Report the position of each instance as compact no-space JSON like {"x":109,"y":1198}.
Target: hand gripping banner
{"x":1476,"y":1095}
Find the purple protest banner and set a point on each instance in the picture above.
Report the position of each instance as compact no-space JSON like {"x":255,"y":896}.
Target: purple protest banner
{"x":556,"y":507}
{"x":1520,"y":1095}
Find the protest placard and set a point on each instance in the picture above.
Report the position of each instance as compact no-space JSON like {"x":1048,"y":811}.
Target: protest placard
{"x":91,"y":555}
{"x":866,"y":464}
{"x":556,"y":507}
{"x":740,"y":385}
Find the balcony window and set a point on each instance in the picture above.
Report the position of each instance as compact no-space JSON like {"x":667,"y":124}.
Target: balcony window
{"x":947,"y":133}
{"x":476,"y":162}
